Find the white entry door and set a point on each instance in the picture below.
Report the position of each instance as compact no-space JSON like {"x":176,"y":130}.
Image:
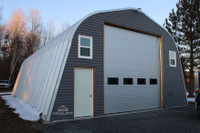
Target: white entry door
{"x":83,"y":92}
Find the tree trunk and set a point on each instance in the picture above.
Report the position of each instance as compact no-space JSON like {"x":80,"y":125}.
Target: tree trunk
{"x":12,"y":66}
{"x":13,"y":62}
{"x":191,"y":89}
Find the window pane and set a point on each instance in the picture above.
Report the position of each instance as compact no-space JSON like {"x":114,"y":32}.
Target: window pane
{"x":85,"y":52}
{"x":153,"y":81}
{"x":113,"y":81}
{"x":85,"y":42}
{"x":128,"y":81}
{"x":141,"y":81}
{"x":172,"y":55}
{"x":172,"y":58}
{"x":172,"y":61}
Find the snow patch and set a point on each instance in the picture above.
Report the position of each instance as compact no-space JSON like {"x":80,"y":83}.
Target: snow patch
{"x":187,"y":93}
{"x":191,"y":99}
{"x":25,"y":111}
{"x":5,"y":93}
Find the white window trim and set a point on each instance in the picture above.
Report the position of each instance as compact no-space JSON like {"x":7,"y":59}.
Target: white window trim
{"x":79,"y":47}
{"x":172,"y":52}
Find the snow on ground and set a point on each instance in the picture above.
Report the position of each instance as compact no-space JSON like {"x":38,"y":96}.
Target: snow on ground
{"x":5,"y":93}
{"x":25,"y":111}
{"x":187,"y":93}
{"x":191,"y":99}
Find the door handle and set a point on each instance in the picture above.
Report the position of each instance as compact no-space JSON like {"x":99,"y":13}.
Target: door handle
{"x":90,"y":95}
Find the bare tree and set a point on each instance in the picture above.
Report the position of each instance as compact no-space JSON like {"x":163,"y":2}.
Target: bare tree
{"x":3,"y":64}
{"x":64,"y":27}
{"x":16,"y":28}
{"x":33,"y":36}
{"x":1,"y":33}
{"x":48,"y":32}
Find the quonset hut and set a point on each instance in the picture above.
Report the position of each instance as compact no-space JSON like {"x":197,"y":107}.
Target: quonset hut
{"x":108,"y":62}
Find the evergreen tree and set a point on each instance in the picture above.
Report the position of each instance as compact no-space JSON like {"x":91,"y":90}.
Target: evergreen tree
{"x":184,"y":26}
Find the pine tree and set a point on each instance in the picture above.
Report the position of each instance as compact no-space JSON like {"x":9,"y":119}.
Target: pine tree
{"x":184,"y":26}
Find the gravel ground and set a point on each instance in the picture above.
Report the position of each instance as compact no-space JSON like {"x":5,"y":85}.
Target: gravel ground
{"x":179,"y":120}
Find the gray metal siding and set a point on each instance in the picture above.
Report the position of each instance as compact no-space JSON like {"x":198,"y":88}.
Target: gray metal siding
{"x":174,"y":93}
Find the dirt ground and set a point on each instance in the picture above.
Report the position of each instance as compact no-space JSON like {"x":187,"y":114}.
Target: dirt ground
{"x":5,"y":90}
{"x":11,"y":123}
{"x":161,"y":121}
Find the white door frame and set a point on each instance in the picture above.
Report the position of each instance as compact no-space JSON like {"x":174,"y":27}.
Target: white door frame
{"x":93,"y":70}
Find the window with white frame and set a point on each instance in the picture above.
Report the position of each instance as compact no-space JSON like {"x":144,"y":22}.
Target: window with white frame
{"x":85,"y":47}
{"x":172,"y":58}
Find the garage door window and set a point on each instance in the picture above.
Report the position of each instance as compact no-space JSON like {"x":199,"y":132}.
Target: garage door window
{"x":128,"y":81}
{"x":85,"y":47}
{"x":172,"y":58}
{"x":153,"y":81}
{"x":141,"y":81}
{"x":113,"y":81}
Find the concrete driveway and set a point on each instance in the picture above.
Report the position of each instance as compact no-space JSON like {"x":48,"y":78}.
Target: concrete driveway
{"x":179,"y":120}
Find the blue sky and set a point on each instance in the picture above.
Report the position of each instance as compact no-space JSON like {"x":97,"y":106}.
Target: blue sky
{"x":70,"y":11}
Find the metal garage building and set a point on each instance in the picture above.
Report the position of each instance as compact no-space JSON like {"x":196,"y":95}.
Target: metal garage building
{"x":108,"y":62}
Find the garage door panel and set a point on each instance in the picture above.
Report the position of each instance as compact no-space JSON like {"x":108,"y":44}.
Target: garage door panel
{"x":129,"y":54}
{"x":131,"y":93}
{"x":123,"y":105}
